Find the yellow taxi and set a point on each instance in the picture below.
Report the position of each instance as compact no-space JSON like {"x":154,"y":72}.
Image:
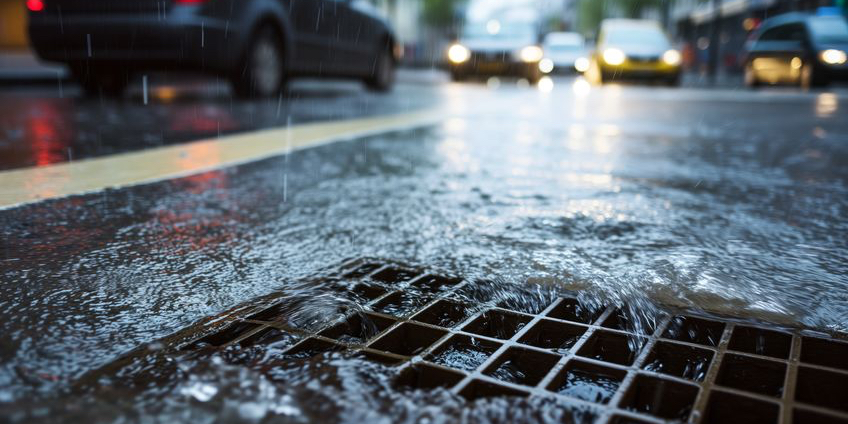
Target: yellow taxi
{"x":630,"y":49}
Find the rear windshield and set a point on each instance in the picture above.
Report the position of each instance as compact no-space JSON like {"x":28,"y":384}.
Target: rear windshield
{"x":829,"y":30}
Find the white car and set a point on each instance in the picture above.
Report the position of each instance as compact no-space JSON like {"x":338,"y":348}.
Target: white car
{"x":564,"y":52}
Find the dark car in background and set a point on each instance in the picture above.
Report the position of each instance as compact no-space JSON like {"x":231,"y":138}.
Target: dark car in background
{"x":796,"y":48}
{"x":497,"y":47}
{"x":256,"y":44}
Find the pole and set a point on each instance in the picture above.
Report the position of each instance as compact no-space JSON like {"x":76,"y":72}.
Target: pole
{"x":715,"y":35}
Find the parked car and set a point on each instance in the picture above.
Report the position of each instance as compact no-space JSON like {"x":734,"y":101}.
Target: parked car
{"x":565,"y":51}
{"x":256,"y":44}
{"x":634,"y":49}
{"x":497,"y":47}
{"x":798,"y":49}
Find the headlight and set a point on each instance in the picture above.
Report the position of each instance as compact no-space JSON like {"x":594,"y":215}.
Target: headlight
{"x":833,"y":57}
{"x":458,"y":53}
{"x":614,"y":57}
{"x":546,"y":66}
{"x":671,"y":57}
{"x":581,"y":64}
{"x":532,"y":54}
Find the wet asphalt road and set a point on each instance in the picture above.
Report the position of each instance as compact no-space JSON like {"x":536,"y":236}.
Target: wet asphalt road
{"x":730,"y":201}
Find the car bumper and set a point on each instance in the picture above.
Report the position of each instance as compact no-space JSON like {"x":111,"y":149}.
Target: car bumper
{"x":658,"y":70}
{"x":524,"y":69}
{"x":180,"y":40}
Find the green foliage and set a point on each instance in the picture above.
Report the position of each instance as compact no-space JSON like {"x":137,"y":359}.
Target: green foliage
{"x":440,"y":13}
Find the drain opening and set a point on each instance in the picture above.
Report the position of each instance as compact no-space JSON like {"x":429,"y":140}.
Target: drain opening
{"x":584,"y":357}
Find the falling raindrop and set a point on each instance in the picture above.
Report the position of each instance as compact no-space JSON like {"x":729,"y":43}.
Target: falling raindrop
{"x":144,"y":88}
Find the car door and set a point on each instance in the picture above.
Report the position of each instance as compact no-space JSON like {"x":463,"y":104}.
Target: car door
{"x":314,"y":22}
{"x":778,"y":55}
{"x":365,"y":33}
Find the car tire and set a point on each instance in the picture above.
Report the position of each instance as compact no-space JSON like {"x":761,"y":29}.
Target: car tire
{"x":100,"y":82}
{"x":261,"y":71}
{"x":751,"y":80}
{"x":457,"y":76}
{"x":382,"y":78}
{"x":810,"y":78}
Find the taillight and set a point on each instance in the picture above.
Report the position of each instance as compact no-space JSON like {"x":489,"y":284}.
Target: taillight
{"x":35,"y":5}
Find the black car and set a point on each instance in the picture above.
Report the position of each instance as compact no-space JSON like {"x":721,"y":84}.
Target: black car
{"x":256,"y":44}
{"x":798,"y":49}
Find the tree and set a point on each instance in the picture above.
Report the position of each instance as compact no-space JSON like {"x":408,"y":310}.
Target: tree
{"x":440,"y":13}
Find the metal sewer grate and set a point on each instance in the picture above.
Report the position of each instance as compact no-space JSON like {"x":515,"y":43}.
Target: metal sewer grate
{"x":690,"y":369}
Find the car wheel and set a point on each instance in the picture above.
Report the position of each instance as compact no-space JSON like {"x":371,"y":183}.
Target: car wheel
{"x":810,"y":78}
{"x":382,"y":77}
{"x":751,"y":80}
{"x":261,"y":72}
{"x":100,"y":82}
{"x":673,"y":81}
{"x":457,"y":76}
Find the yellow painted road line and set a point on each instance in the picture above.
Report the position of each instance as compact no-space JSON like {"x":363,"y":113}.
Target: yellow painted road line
{"x":22,"y":186}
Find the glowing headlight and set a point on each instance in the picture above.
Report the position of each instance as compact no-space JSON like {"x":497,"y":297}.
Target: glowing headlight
{"x":581,"y":64}
{"x":458,"y":53}
{"x":671,"y":57}
{"x":833,"y":57}
{"x":532,"y":54}
{"x":546,"y":66}
{"x":614,"y":57}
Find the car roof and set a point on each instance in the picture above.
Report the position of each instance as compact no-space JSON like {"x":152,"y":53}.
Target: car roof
{"x":564,"y":38}
{"x":793,"y":17}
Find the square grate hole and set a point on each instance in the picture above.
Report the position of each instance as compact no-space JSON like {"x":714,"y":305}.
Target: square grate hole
{"x":752,"y":375}
{"x":728,"y":408}
{"x":826,"y":353}
{"x":822,"y":388}
{"x":554,"y":335}
{"x":400,"y":304}
{"x":464,"y":352}
{"x":679,"y":360}
{"x":497,"y":324}
{"x":618,"y":320}
{"x":479,"y":389}
{"x":661,"y":398}
{"x":760,"y":342}
{"x":569,"y":309}
{"x":312,"y":347}
{"x":270,"y":337}
{"x":367,"y":292}
{"x":358,"y":328}
{"x":805,"y":416}
{"x":522,"y":366}
{"x":612,"y":347}
{"x":427,"y":377}
{"x":408,"y":339}
{"x":589,"y":382}
{"x":434,"y":285}
{"x":394,"y":276}
{"x":695,"y":330}
{"x":443,"y":313}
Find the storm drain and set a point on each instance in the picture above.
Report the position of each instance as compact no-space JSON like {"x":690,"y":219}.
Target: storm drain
{"x":690,"y":369}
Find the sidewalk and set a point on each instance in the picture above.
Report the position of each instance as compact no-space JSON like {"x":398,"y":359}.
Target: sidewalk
{"x":22,"y":67}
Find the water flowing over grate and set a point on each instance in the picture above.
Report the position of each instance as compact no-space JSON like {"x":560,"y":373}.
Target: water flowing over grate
{"x":688,"y":369}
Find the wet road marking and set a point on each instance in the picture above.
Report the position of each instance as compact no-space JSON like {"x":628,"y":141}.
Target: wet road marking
{"x":29,"y":185}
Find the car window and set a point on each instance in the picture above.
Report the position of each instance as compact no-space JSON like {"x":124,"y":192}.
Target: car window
{"x":635,"y":35}
{"x":788,"y":32}
{"x":829,"y":30}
